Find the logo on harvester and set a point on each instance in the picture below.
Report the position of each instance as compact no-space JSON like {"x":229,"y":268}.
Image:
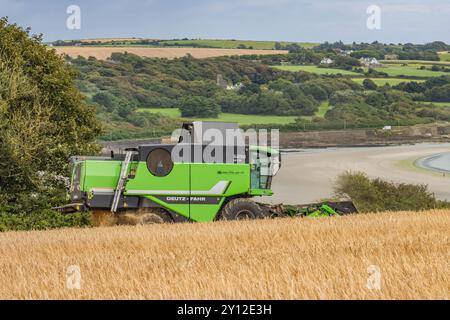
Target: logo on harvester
{"x":189,"y":200}
{"x":230,"y":172}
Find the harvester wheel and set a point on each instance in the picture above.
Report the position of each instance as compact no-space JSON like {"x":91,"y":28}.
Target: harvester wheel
{"x":241,"y":209}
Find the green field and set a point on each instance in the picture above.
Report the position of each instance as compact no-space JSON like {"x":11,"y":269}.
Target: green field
{"x":441,"y":104}
{"x":243,"y":119}
{"x":317,"y":70}
{"x":233,"y":44}
{"x":323,"y":108}
{"x":383,"y":81}
{"x":445,"y":57}
{"x":223,"y":44}
{"x":417,"y":62}
{"x":396,"y":71}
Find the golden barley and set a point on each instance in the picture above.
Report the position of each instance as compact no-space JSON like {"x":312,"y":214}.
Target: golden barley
{"x":326,"y":258}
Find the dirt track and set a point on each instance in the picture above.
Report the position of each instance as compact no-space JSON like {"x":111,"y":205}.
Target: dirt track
{"x":102,"y":53}
{"x":308,"y":176}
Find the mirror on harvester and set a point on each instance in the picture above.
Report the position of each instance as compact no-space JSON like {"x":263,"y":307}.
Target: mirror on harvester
{"x":159,"y":162}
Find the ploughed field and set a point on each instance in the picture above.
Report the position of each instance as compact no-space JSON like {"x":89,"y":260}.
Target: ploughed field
{"x":400,"y":255}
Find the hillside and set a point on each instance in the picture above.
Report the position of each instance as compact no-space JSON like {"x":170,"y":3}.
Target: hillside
{"x":271,"y":259}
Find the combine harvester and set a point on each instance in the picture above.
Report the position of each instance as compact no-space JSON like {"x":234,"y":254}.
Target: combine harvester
{"x":145,"y":185}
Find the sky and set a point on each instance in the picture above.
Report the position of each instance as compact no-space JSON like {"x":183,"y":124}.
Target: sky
{"x":401,"y":21}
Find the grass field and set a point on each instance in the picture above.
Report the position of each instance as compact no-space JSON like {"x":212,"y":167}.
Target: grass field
{"x":234,"y":44}
{"x":441,"y":104}
{"x":410,"y":71}
{"x":419,"y":62}
{"x":383,"y":81}
{"x":317,"y":70}
{"x":323,"y":108}
{"x":292,"y":258}
{"x":104,"y":52}
{"x":242,"y":119}
{"x":223,"y":44}
{"x":445,"y":56}
{"x":392,"y":69}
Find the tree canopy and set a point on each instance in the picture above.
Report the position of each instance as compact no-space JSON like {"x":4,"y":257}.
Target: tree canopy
{"x":43,"y":117}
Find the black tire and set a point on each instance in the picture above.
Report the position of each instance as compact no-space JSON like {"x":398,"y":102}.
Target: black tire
{"x":241,"y":209}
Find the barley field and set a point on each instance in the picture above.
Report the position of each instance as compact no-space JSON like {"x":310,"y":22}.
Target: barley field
{"x":400,"y":255}
{"x":102,"y":53}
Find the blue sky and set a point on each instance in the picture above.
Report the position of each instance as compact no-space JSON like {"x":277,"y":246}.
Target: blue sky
{"x":291,"y":20}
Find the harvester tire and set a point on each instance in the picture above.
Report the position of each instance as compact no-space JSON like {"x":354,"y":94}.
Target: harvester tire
{"x":241,"y":209}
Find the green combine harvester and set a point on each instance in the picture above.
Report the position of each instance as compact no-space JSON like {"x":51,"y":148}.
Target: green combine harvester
{"x":146,"y":185}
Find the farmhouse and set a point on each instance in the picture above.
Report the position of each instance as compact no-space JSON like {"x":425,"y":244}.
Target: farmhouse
{"x":370,"y":62}
{"x":326,"y":61}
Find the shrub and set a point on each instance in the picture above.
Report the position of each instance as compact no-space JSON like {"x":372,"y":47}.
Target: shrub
{"x":369,"y":84}
{"x":375,"y":195}
{"x":199,"y":107}
{"x":42,"y":220}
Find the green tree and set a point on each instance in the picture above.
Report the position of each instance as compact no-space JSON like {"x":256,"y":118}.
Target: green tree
{"x":439,"y":94}
{"x":196,"y":106}
{"x":369,"y":84}
{"x":43,"y":117}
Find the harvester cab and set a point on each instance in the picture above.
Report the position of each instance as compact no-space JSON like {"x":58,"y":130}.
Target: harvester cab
{"x":210,"y":174}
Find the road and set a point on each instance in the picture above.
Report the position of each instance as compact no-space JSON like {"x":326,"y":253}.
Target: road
{"x":307,"y":176}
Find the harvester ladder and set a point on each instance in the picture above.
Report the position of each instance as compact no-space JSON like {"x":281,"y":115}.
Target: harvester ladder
{"x":122,"y":180}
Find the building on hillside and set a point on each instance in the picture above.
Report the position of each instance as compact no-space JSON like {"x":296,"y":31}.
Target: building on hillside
{"x":326,"y":61}
{"x":221,"y":82}
{"x":370,"y":62}
{"x":236,"y":86}
{"x":390,"y":57}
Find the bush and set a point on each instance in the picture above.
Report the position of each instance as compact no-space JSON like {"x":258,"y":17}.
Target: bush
{"x":439,"y":94}
{"x":375,"y":195}
{"x":42,"y":220}
{"x":33,"y":212}
{"x":369,"y":84}
{"x":199,"y":107}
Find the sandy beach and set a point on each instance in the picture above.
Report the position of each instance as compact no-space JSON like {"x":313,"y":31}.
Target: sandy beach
{"x":308,"y":175}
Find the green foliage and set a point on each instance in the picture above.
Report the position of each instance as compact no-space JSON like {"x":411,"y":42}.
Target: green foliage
{"x":345,"y":97}
{"x":378,"y":50}
{"x":42,"y":220}
{"x":197,"y":106}
{"x":369,"y":84}
{"x":367,"y":54}
{"x":375,"y":195}
{"x":376,"y":99}
{"x":43,"y":117}
{"x":438,"y":94}
{"x":32,"y":211}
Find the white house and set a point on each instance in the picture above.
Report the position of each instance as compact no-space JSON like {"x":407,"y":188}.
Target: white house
{"x":370,"y":62}
{"x":326,"y":61}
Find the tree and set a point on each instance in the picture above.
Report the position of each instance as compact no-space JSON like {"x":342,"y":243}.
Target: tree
{"x":439,"y":94}
{"x":369,"y":84}
{"x":196,"y":106}
{"x":315,"y":90}
{"x":43,"y":117}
